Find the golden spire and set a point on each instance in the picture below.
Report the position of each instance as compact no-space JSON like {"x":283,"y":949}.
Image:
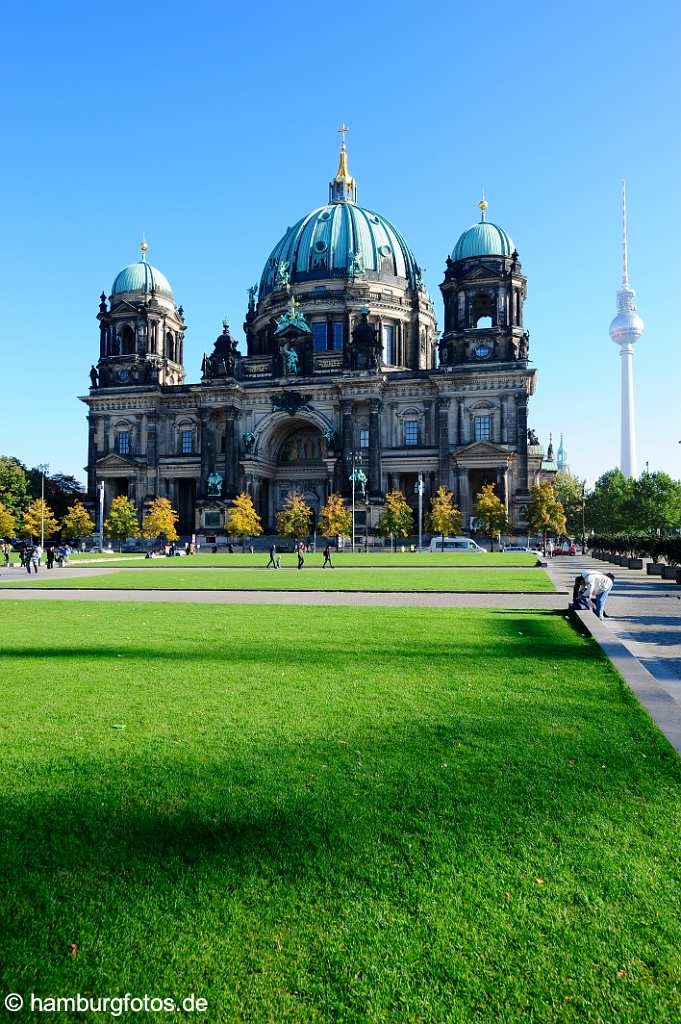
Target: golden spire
{"x":343,"y":173}
{"x":483,"y":204}
{"x":144,"y":246}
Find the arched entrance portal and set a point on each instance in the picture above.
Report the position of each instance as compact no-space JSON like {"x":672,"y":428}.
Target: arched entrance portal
{"x":302,"y":465}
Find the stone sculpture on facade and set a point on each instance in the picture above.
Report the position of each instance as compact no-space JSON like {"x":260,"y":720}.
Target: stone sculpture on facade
{"x":214,"y":485}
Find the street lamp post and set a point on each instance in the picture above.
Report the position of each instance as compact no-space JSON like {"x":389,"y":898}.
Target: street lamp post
{"x":583,"y":519}
{"x":43,"y":467}
{"x":100,"y":505}
{"x":419,"y":490}
{"x":356,"y":476}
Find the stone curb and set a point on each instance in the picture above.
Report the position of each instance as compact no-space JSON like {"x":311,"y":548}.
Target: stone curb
{"x":660,"y":705}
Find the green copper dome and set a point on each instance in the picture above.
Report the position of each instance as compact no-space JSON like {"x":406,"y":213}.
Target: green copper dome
{"x":338,"y":240}
{"x":483,"y":239}
{"x":141,"y":277}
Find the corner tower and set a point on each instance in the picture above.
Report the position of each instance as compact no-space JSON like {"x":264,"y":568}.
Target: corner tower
{"x":141,"y":330}
{"x":483,"y":292}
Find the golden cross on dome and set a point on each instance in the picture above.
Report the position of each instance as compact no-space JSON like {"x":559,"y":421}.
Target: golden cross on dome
{"x":144,"y":246}
{"x":342,"y":131}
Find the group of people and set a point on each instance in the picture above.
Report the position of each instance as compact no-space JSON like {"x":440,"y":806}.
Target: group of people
{"x":301,"y":550}
{"x":31,"y":555}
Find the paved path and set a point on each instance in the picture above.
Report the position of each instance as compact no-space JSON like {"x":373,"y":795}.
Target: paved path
{"x":643,"y":612}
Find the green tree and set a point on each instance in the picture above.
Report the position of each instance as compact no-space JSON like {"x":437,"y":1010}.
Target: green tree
{"x":121,"y":521}
{"x":490,"y":511}
{"x":545,"y":513}
{"x":242,"y":519}
{"x":60,"y":490}
{"x":39,"y":520}
{"x":160,"y":520}
{"x":295,"y":519}
{"x":444,"y":516}
{"x":610,"y":506}
{"x":656,"y":503}
{"x":13,"y":486}
{"x":571,"y":493}
{"x":335,"y":519}
{"x":396,"y":519}
{"x":77,"y":522}
{"x":8,"y":522}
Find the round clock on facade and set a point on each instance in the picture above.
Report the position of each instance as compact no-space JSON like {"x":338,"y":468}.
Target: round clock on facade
{"x":123,"y":375}
{"x":482,"y":351}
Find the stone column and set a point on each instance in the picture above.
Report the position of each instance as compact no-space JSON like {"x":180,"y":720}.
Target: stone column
{"x":521,"y":441}
{"x":91,"y":456}
{"x":231,"y":452}
{"x":348,"y":446}
{"x":443,"y":440}
{"x":374,"y":448}
{"x":206,"y":451}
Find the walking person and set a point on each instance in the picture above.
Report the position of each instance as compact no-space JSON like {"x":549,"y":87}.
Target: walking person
{"x":300,"y":550}
{"x":36,"y":555}
{"x":327,"y":557}
{"x":6,"y":550}
{"x":27,"y":553}
{"x":49,"y":555}
{"x":274,"y":561}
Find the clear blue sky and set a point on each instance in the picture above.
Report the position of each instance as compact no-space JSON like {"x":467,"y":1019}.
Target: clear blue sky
{"x":212,"y":127}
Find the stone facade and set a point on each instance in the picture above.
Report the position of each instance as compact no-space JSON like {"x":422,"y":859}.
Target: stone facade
{"x":339,"y":366}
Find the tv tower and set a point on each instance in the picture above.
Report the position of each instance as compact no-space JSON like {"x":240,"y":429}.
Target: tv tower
{"x":626,"y":328}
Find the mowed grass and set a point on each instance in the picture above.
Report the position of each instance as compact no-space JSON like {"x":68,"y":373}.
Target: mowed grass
{"x":379,"y":559}
{"x":333,"y":814}
{"x":407,"y":580}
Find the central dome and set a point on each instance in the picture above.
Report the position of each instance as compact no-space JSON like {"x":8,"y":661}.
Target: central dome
{"x":338,"y":240}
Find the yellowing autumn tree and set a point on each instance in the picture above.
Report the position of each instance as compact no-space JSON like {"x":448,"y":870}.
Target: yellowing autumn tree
{"x":8,"y":524}
{"x":444,"y":516}
{"x":295,"y":518}
{"x":490,"y":512}
{"x":242,"y":519}
{"x":77,"y":522}
{"x":39,"y":520}
{"x":160,"y":520}
{"x":121,"y":521}
{"x":335,"y":519}
{"x":545,"y":513}
{"x":396,"y":519}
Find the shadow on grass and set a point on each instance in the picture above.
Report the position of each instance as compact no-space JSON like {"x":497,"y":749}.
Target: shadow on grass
{"x":522,"y":637}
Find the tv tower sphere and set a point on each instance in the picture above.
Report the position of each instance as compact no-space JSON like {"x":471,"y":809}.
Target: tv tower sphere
{"x":625,"y":330}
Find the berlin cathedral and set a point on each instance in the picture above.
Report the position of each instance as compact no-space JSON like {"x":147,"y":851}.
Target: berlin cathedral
{"x":344,"y":369}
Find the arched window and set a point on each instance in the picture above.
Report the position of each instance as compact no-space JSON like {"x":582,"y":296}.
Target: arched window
{"x":482,"y":310}
{"x":170,"y":346}
{"x":127,"y":341}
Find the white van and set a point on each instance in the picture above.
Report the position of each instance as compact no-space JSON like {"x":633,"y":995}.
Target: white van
{"x":456,"y":544}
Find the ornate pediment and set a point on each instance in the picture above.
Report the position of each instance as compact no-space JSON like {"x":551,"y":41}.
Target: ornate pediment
{"x":114,"y":461}
{"x":483,"y":452}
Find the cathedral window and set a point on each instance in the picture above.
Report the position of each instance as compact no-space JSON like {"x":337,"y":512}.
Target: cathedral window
{"x":482,"y":428}
{"x":187,"y":442}
{"x":411,"y":433}
{"x":170,"y":346}
{"x":482,"y":310}
{"x":123,"y":442}
{"x":319,"y":335}
{"x":389,"y":344}
{"x":364,"y":438}
{"x":338,"y":335}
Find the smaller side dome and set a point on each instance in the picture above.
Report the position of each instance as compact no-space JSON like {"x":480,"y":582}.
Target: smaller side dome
{"x":141,"y":277}
{"x":483,"y":239}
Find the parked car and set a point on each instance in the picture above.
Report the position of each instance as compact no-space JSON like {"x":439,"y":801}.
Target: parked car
{"x":520,"y":547}
{"x":456,"y":544}
{"x":565,"y":549}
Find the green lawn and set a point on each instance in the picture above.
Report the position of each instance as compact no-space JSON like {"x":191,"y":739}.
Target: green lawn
{"x":442,"y":580}
{"x":333,"y":814}
{"x":379,"y":559}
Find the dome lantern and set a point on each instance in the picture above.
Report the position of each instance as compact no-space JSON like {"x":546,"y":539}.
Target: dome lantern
{"x":343,"y":188}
